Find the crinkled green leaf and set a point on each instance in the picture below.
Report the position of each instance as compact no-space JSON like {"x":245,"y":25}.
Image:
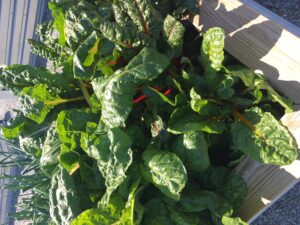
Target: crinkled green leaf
{"x":166,"y":171}
{"x":99,"y":216}
{"x":113,"y":154}
{"x":126,"y":36}
{"x":212,"y":53}
{"x":265,"y":139}
{"x":38,"y":101}
{"x":43,"y":50}
{"x":81,"y":21}
{"x":64,"y":204}
{"x":50,"y":151}
{"x":184,"y":120}
{"x":17,"y":77}
{"x":118,"y":93}
{"x":144,"y":16}
{"x":193,"y":151}
{"x":173,"y":32}
{"x":72,"y":123}
{"x":84,"y":58}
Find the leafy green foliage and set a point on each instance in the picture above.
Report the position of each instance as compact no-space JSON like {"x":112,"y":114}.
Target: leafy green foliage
{"x":118,"y":94}
{"x":64,"y":205}
{"x":137,"y":123}
{"x":166,"y":171}
{"x":257,"y":134}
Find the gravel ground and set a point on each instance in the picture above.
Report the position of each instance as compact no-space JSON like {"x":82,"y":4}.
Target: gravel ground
{"x":285,"y":211}
{"x":288,"y":9}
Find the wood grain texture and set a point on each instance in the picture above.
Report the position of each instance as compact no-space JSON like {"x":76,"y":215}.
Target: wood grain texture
{"x":258,"y":38}
{"x":265,"y":42}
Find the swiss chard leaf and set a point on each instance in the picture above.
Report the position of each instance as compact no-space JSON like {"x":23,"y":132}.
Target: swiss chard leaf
{"x":257,"y":134}
{"x":184,"y":120}
{"x":50,"y":151}
{"x":144,"y":16}
{"x":173,"y":32}
{"x":84,"y":59}
{"x":166,"y":171}
{"x":212,"y":53}
{"x":38,"y":101}
{"x":64,"y":205}
{"x":118,"y":94}
{"x":72,"y":123}
{"x":113,"y":154}
{"x":193,"y":151}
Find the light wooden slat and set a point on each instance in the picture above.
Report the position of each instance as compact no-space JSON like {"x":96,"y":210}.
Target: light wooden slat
{"x":259,"y":39}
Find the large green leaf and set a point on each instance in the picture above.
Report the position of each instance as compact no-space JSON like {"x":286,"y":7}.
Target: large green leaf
{"x":212,"y":53}
{"x":84,"y":58}
{"x":126,"y":35}
{"x":45,"y":51}
{"x":118,"y":93}
{"x":50,"y":151}
{"x":144,"y":16}
{"x":113,"y":154}
{"x":72,"y":123}
{"x":184,"y":120}
{"x":193,"y":151}
{"x":16,"y":77}
{"x":81,"y":21}
{"x":166,"y":171}
{"x":265,"y":139}
{"x":99,"y":216}
{"x":38,"y":101}
{"x":64,"y":204}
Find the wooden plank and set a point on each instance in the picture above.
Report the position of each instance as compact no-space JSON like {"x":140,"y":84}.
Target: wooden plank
{"x":258,"y":38}
{"x":267,"y":183}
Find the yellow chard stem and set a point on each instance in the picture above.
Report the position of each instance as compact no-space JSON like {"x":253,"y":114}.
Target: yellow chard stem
{"x":62,"y":101}
{"x":85,"y":94}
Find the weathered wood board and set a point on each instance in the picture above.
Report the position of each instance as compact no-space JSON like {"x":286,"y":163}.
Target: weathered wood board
{"x":265,"y":42}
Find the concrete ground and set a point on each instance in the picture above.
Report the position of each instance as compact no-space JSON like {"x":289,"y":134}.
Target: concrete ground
{"x":285,"y":211}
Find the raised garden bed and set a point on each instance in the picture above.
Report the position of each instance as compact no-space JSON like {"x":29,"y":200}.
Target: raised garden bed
{"x":262,"y":41}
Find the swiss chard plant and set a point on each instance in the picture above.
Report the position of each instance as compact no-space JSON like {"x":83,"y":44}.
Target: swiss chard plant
{"x":142,"y":118}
